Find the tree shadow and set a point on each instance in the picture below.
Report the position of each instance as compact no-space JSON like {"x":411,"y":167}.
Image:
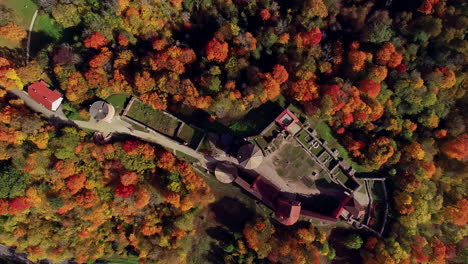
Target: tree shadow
{"x":39,"y":40}
{"x":343,"y":254}
{"x":16,"y":55}
{"x":231,"y":213}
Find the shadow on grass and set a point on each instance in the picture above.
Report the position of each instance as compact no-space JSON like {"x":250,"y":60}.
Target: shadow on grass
{"x":231,"y":213}
{"x":343,"y":254}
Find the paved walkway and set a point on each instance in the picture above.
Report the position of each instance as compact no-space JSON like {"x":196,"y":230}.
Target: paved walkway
{"x":117,"y":125}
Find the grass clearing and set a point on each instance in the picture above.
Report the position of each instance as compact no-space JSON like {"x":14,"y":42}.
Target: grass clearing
{"x":191,"y":136}
{"x":153,"y":118}
{"x":256,"y":120}
{"x":292,"y":162}
{"x":116,"y":260}
{"x":325,"y":133}
{"x":185,"y":157}
{"x":118,"y":101}
{"x":24,"y":12}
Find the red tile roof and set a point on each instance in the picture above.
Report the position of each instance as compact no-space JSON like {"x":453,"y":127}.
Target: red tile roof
{"x":287,"y":212}
{"x":318,"y":216}
{"x":336,"y":214}
{"x":355,"y":208}
{"x":40,"y":92}
{"x":291,"y":115}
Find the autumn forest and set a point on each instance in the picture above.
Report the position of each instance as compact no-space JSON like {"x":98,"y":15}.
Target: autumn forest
{"x":387,"y":77}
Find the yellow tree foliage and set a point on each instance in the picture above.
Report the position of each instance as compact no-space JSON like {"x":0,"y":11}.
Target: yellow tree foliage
{"x":10,"y":79}
{"x":31,"y":72}
{"x":403,"y":202}
{"x":316,"y":8}
{"x":378,"y":73}
{"x":40,"y":138}
{"x":66,"y":168}
{"x":13,"y":32}
{"x":414,"y":151}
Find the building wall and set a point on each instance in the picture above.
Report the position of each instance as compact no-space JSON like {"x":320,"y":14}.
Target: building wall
{"x":55,"y":105}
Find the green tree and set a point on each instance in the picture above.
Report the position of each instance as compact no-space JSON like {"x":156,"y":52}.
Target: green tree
{"x":353,"y":241}
{"x":379,"y":28}
{"x":13,"y":182}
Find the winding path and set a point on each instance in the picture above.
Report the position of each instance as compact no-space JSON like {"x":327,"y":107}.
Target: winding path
{"x":29,"y":35}
{"x":118,"y":125}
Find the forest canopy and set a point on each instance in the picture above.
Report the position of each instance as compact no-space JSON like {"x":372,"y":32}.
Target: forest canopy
{"x":388,"y":78}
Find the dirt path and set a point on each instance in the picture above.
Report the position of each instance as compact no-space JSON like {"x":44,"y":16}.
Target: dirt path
{"x":29,"y":34}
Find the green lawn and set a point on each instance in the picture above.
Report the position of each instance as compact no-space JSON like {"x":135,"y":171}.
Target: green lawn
{"x":24,"y":11}
{"x":294,"y":162}
{"x":186,"y":133}
{"x":261,"y":142}
{"x":190,"y":135}
{"x":342,"y":177}
{"x":153,"y":118}
{"x":256,"y":120}
{"x":325,"y":132}
{"x":118,"y":101}
{"x":185,"y":157}
{"x":129,"y":260}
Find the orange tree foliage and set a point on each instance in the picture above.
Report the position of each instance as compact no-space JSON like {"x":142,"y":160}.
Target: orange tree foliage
{"x":271,"y":86}
{"x":298,"y":244}
{"x":76,"y":182}
{"x":95,"y":41}
{"x":101,"y":59}
{"x":129,"y":178}
{"x":458,"y":213}
{"x":98,"y":210}
{"x":370,"y":88}
{"x":13,"y":32}
{"x":154,"y":100}
{"x":457,"y":148}
{"x":388,"y":56}
{"x":303,"y":90}
{"x":217,"y":51}
{"x":358,"y":58}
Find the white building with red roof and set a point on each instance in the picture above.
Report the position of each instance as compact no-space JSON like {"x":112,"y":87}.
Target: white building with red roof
{"x":40,"y":92}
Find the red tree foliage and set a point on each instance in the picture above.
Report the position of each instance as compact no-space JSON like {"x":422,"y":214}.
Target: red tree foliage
{"x":123,"y":40}
{"x":130,"y":145}
{"x":95,"y":41}
{"x":265,"y":14}
{"x":370,"y":87}
{"x":19,"y":204}
{"x":426,"y":6}
{"x":124,"y":191}
{"x":309,"y":38}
